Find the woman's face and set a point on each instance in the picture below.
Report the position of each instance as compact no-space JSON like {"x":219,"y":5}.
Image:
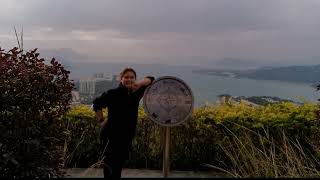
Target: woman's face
{"x":128,"y":79}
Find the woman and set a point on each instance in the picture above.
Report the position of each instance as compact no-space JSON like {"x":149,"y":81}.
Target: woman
{"x":118,"y":131}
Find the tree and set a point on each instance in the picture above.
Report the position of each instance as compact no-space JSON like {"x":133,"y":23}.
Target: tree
{"x":34,"y":94}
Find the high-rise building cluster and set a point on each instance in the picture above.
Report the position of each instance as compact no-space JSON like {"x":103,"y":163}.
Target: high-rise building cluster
{"x":97,"y":84}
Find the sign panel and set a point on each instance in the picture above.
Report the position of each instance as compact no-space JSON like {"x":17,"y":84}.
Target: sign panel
{"x":168,"y":101}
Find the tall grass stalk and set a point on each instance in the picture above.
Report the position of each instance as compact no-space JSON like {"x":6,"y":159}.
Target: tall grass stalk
{"x":266,"y":158}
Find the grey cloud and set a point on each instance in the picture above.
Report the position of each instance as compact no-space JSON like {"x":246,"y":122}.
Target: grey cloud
{"x":286,"y":30}
{"x":149,"y":16}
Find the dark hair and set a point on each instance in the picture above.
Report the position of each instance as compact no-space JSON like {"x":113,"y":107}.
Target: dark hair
{"x":128,"y":69}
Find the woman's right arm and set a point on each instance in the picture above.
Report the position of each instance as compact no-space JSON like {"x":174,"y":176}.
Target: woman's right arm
{"x":99,"y":115}
{"x":99,"y":103}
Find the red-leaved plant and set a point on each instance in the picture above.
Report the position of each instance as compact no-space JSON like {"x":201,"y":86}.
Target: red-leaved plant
{"x":34,"y":94}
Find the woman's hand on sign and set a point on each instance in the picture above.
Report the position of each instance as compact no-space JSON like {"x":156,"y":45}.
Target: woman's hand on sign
{"x":135,"y":86}
{"x":143,"y":82}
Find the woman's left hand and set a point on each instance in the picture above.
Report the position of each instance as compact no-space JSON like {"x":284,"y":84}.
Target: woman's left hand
{"x":135,"y":86}
{"x":143,"y":82}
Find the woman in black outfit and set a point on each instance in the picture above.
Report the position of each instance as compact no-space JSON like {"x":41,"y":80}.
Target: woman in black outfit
{"x":118,"y":130}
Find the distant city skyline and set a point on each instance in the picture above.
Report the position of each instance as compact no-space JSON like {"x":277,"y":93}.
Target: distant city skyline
{"x":186,"y":32}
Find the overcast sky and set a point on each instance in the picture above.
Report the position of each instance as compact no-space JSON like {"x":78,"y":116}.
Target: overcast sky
{"x":169,"y":31}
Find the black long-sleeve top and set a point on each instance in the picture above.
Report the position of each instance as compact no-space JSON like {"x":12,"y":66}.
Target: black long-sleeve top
{"x":122,"y":106}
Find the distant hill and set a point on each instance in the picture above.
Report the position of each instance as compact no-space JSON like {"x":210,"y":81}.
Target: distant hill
{"x":307,"y":74}
{"x":238,"y":63}
{"x":255,"y":100}
{"x":301,"y":74}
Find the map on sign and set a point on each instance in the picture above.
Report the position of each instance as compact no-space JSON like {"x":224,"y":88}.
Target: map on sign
{"x":168,"y":101}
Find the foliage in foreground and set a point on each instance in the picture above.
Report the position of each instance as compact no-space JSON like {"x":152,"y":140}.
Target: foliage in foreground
{"x":33,"y":96}
{"x":243,"y":141}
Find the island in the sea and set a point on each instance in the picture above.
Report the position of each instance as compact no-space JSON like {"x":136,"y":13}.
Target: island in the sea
{"x":298,"y":74}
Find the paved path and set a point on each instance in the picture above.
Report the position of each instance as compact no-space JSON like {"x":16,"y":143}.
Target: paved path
{"x":139,"y":173}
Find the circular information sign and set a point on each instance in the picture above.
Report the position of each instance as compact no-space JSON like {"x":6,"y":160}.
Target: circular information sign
{"x":168,"y":101}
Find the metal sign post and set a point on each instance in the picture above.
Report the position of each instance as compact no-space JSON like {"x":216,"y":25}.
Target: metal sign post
{"x":166,"y":152}
{"x":169,"y":102}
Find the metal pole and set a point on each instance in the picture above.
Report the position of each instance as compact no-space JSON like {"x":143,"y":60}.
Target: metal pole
{"x":166,"y":152}
{"x":163,"y":143}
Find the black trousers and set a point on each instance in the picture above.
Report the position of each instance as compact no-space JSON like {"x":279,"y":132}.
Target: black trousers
{"x":115,"y":152}
{"x":112,"y":166}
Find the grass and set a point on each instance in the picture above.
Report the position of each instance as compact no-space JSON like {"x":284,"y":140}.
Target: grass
{"x":259,"y":155}
{"x":254,"y":154}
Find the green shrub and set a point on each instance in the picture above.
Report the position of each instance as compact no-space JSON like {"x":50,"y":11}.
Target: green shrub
{"x":33,"y":97}
{"x":214,"y":131}
{"x":82,"y":143}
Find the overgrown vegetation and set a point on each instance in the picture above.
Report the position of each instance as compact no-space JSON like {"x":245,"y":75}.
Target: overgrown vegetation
{"x":277,"y":140}
{"x":34,"y":94}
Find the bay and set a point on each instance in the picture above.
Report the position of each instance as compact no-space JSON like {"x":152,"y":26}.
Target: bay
{"x":205,"y":88}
